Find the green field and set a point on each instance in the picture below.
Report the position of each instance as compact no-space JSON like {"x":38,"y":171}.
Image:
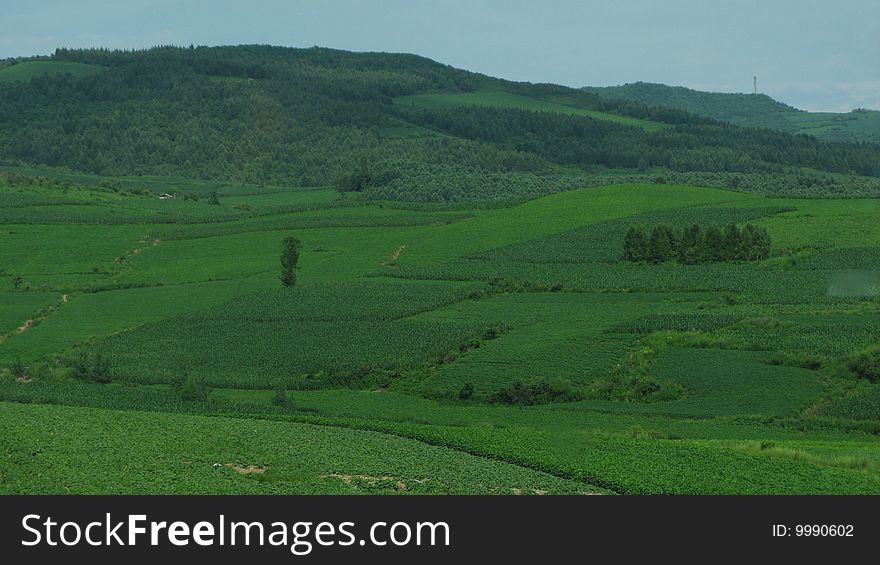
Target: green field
{"x":257,"y":269}
{"x":501,"y":99}
{"x":585,"y":373}
{"x":26,"y":70}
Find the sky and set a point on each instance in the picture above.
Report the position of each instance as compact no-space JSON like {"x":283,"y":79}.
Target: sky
{"x":819,"y":55}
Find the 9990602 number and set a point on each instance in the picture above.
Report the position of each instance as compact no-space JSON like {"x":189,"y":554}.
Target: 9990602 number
{"x":823,"y":530}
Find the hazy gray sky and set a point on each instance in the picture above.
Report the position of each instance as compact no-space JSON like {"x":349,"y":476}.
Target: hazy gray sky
{"x":814,"y":54}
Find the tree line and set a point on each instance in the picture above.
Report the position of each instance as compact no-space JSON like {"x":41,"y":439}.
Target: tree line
{"x":694,"y":244}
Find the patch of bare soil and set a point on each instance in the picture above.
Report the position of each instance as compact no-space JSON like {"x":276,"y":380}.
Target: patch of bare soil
{"x":373,"y":481}
{"x":395,"y":256}
{"x":250,"y":469}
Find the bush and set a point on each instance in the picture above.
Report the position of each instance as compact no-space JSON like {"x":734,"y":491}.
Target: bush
{"x":101,"y":370}
{"x":626,"y":388}
{"x":866,"y":365}
{"x":538,"y":392}
{"x":96,"y":371}
{"x":280,"y":398}
{"x":19,"y":371}
{"x":190,"y":389}
{"x":466,"y":392}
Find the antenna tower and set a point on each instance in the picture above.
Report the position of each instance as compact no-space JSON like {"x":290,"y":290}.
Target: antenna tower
{"x":754,"y":85}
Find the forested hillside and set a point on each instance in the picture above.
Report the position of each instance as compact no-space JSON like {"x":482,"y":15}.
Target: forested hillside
{"x":751,"y":110}
{"x":315,"y":117}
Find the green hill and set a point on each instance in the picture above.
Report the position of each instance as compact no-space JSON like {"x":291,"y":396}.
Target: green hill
{"x":752,"y":111}
{"x":371,"y":122}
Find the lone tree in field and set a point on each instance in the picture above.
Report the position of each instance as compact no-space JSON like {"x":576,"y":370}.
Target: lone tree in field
{"x":19,"y":371}
{"x":289,"y":258}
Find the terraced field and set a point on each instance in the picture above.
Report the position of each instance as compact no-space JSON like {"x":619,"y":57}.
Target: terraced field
{"x":431,"y":350}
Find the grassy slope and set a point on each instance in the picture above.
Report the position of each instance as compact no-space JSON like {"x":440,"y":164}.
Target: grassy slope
{"x":501,"y":99}
{"x":26,"y":70}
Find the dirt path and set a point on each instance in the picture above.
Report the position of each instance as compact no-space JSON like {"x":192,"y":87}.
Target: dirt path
{"x":145,"y":242}
{"x":395,"y":256}
{"x":41,"y":315}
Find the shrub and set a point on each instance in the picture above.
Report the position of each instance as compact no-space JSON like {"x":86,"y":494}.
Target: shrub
{"x":190,"y":389}
{"x":466,"y":392}
{"x":97,"y":370}
{"x":538,"y":392}
{"x":18,"y":369}
{"x":280,"y":398}
{"x":101,"y":370}
{"x":866,"y":364}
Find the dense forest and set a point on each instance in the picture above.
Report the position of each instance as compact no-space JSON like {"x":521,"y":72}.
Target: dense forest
{"x":318,"y":116}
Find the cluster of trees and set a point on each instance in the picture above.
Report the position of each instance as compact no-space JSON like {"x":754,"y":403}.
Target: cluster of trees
{"x":709,"y":146}
{"x":442,"y":183}
{"x":695,"y":245}
{"x":94,"y":369}
{"x":456,"y":183}
{"x":357,"y":181}
{"x":866,"y":364}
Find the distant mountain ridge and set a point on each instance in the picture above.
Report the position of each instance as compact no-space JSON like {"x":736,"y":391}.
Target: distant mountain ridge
{"x":751,"y":110}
